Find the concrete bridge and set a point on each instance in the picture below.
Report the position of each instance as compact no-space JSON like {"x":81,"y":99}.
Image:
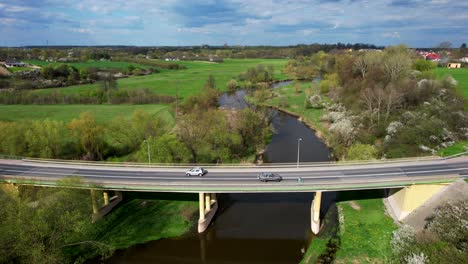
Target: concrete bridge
{"x":410,"y":182}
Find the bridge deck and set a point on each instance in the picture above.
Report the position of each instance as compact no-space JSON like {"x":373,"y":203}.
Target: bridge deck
{"x":325,"y":177}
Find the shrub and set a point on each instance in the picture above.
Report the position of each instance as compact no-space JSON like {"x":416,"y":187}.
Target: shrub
{"x":360,"y":151}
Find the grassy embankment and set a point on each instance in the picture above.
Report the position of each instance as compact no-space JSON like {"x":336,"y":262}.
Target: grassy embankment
{"x":147,"y":216}
{"x":364,"y":230}
{"x":461,"y":75}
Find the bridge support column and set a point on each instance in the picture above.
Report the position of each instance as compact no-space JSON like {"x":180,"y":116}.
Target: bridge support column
{"x":109,"y":204}
{"x":106,"y":197}
{"x":405,"y":200}
{"x":315,"y":212}
{"x":94,"y":202}
{"x":208,"y":207}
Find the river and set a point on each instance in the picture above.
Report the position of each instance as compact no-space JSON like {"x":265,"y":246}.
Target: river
{"x":249,"y":228}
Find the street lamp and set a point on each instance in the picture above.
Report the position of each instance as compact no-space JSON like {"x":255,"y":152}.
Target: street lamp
{"x":149,"y":154}
{"x":298,"y":149}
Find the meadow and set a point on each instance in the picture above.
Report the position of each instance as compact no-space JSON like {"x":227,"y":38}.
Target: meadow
{"x":66,"y":113}
{"x":461,"y":75}
{"x":188,"y":81}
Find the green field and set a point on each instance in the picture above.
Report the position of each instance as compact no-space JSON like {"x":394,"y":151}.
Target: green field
{"x":66,"y":113}
{"x":461,"y":75}
{"x":365,"y":230}
{"x":89,"y":64}
{"x":189,"y":81}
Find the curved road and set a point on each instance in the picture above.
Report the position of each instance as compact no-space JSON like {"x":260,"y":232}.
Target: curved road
{"x":233,"y":180}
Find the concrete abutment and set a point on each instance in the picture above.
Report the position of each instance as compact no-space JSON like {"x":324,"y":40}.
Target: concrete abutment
{"x":403,"y":201}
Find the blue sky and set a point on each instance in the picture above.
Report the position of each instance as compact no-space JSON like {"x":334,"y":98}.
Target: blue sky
{"x":417,"y":23}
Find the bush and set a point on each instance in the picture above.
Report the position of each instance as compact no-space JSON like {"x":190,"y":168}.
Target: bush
{"x":283,"y":102}
{"x":424,"y":65}
{"x":360,"y":151}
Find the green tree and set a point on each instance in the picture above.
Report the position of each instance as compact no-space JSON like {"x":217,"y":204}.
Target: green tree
{"x":89,"y":135}
{"x":46,"y":225}
{"x":424,"y":65}
{"x":127,"y":134}
{"x":46,"y":138}
{"x":360,"y":151}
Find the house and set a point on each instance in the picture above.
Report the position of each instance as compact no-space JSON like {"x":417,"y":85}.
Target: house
{"x":14,"y":63}
{"x":453,"y":65}
{"x":433,"y":56}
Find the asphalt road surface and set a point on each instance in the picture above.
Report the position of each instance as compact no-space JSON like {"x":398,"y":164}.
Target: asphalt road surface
{"x":238,"y":179}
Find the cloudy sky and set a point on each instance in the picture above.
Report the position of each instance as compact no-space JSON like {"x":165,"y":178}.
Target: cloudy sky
{"x":418,"y":23}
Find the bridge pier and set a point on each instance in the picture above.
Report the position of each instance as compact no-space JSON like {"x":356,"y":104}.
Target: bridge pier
{"x":109,"y":204}
{"x":208,"y":206}
{"x":405,"y":200}
{"x":315,"y":212}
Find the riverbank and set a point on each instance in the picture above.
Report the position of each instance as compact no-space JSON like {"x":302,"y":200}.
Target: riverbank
{"x":311,"y":117}
{"x":144,"y":217}
{"x":363,"y":235}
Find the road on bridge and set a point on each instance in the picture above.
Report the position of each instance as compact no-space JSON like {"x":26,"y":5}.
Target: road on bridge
{"x":332,"y":176}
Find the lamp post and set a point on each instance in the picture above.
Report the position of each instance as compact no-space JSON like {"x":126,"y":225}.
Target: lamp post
{"x":149,"y":154}
{"x":298,"y":150}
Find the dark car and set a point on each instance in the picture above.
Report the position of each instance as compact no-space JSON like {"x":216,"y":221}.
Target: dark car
{"x":268,"y":176}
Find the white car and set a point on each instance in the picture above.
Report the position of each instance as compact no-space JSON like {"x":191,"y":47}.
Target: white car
{"x":197,"y":171}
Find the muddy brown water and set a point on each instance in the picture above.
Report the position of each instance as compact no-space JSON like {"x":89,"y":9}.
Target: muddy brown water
{"x":249,"y":228}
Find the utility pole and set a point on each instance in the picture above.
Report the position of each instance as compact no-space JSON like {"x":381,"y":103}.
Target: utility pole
{"x":298,"y":150}
{"x":149,"y":154}
{"x":177,"y":100}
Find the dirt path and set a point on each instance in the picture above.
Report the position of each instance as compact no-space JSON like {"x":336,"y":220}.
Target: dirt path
{"x":4,"y":71}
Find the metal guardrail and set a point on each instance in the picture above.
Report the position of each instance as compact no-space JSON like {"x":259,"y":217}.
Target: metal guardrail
{"x":10,"y":157}
{"x":223,"y":165}
{"x":457,"y":155}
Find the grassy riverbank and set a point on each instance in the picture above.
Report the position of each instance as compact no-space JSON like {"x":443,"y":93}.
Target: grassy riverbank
{"x":144,"y":217}
{"x":364,"y":231}
{"x":296,"y":106}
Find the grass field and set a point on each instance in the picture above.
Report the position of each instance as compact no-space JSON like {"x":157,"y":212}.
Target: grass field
{"x":366,"y":230}
{"x":66,"y":113}
{"x":189,"y":81}
{"x":461,"y":75}
{"x":89,"y":64}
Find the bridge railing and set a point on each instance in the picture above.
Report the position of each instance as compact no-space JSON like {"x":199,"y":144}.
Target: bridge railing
{"x":233,"y":165}
{"x":10,"y":157}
